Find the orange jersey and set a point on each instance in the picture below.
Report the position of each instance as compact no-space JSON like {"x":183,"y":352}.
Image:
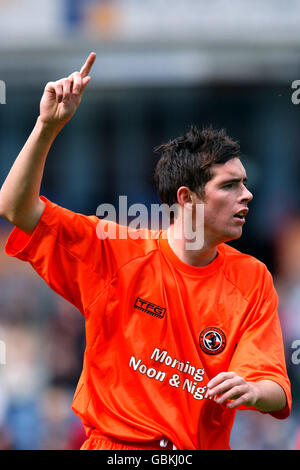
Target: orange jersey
{"x":157,"y":329}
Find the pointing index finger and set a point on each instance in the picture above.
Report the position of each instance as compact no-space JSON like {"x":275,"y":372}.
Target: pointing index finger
{"x":85,"y":69}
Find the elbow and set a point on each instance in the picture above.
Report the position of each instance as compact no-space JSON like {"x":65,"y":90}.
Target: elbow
{"x":24,"y":218}
{"x":7,"y":213}
{"x":3,"y":206}
{"x":2,"y":209}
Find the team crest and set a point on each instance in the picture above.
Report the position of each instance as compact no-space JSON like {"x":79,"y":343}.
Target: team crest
{"x":212,"y":340}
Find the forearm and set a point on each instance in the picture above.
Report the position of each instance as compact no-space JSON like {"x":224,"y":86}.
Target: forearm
{"x":234,"y":390}
{"x":270,"y":396}
{"x":19,"y":195}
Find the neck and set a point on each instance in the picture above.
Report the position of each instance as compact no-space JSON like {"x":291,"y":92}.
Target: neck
{"x":194,"y":257}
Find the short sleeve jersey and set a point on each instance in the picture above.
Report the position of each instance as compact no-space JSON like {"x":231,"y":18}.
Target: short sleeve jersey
{"x":157,"y":329}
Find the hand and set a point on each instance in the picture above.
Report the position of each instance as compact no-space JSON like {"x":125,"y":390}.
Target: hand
{"x":230,"y":386}
{"x":61,"y":98}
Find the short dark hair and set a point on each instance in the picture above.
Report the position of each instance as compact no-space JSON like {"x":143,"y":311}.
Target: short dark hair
{"x":187,"y":161}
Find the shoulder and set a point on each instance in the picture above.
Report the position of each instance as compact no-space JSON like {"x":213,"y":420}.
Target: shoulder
{"x":246,"y":272}
{"x":236,"y":257}
{"x":96,"y":238}
{"x":125,"y":242}
{"x":62,"y":219}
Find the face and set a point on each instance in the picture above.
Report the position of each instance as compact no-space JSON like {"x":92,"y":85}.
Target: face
{"x":226,"y":201}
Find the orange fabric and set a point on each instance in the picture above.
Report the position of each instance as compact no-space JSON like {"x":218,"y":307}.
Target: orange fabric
{"x":98,"y":442}
{"x":157,"y":330}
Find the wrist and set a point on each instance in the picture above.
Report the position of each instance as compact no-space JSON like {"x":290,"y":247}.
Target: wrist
{"x":257,"y":395}
{"x":268,"y":396}
{"x":48,"y":128}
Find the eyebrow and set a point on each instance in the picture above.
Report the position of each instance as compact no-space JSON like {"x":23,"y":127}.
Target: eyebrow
{"x":235,"y":180}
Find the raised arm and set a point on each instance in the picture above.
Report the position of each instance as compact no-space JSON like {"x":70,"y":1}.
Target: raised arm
{"x":19,"y":196}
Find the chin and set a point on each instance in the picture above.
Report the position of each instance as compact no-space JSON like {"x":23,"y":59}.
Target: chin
{"x":219,"y":236}
{"x":232,"y":236}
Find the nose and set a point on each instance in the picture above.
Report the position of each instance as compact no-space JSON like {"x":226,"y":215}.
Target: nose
{"x":246,"y":195}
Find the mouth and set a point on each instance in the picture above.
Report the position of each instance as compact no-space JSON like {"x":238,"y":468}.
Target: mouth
{"x":241,"y":215}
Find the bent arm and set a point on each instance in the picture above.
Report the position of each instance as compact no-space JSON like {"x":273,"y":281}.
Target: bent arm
{"x":264,"y":395}
{"x":19,"y":196}
{"x":270,"y":396}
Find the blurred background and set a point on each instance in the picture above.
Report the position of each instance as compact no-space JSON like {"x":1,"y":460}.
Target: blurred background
{"x":161,"y":66}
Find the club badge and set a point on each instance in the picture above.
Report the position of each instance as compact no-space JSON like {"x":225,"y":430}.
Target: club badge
{"x":212,"y":340}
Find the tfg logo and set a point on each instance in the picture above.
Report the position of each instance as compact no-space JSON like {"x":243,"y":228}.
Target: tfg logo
{"x":149,"y":307}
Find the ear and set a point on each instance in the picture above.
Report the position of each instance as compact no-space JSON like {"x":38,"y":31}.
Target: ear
{"x":184,"y":196}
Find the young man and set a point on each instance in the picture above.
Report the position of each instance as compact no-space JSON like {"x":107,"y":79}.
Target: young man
{"x":176,"y":338}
